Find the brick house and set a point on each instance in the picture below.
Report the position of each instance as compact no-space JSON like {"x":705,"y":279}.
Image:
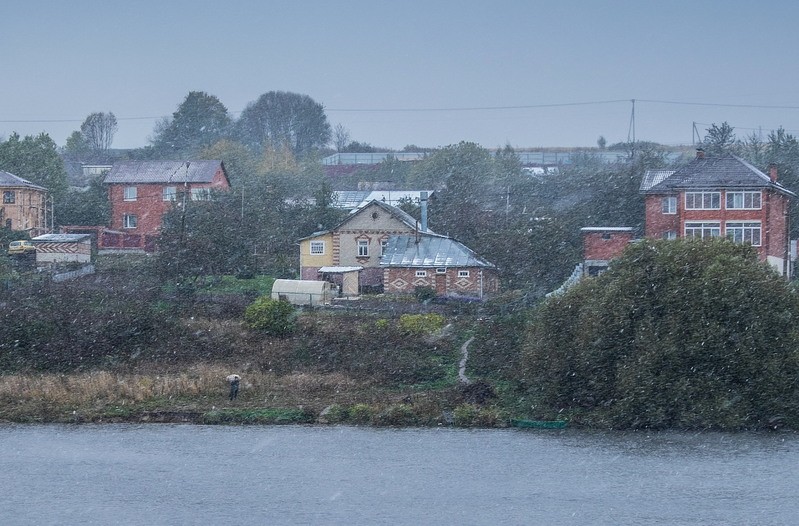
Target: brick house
{"x":721,"y":196}
{"x":438,"y":262}
{"x":141,"y":192}
{"x":601,"y":245}
{"x":24,"y":205}
{"x":358,"y":241}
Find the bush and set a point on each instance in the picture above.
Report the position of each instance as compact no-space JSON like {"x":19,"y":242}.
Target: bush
{"x":424,"y":294}
{"x":676,"y":334}
{"x":419,"y":324}
{"x":271,"y":316}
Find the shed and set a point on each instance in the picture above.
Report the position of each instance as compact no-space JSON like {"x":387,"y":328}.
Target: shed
{"x":303,"y":292}
{"x":52,"y":249}
{"x":345,"y":277}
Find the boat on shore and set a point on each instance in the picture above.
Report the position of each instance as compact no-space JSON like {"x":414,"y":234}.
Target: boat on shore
{"x":538,"y":424}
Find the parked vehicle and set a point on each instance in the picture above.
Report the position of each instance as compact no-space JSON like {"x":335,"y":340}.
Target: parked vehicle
{"x":21,"y":247}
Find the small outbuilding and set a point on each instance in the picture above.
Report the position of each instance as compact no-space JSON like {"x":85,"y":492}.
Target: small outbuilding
{"x":53,"y":249}
{"x":303,"y":292}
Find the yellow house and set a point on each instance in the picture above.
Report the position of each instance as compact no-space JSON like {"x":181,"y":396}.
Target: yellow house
{"x":316,"y":251}
{"x":23,"y":205}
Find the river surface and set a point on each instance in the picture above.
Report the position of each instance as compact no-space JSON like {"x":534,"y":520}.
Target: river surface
{"x":186,"y":474}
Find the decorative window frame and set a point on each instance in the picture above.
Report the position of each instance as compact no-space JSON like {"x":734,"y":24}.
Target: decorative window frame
{"x":463,"y":273}
{"x":362,"y":247}
{"x":421,"y":274}
{"x":316,"y":248}
{"x":441,"y":270}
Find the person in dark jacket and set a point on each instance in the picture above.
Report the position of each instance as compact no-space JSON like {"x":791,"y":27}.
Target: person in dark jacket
{"x":234,"y":380}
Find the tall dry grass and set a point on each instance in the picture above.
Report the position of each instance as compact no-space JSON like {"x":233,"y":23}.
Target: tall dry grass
{"x":196,"y":382}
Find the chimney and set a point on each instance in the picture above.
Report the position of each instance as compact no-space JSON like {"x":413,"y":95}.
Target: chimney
{"x":700,"y":153}
{"x":772,"y":172}
{"x":423,"y":203}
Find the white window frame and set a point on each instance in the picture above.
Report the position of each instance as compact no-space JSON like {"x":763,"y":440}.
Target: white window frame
{"x":200,"y":194}
{"x":702,"y":229}
{"x":746,"y":200}
{"x":703,"y":200}
{"x":421,"y":273}
{"x":169,"y":193}
{"x":669,"y":205}
{"x":383,"y":246}
{"x":441,"y":270}
{"x":9,"y":197}
{"x":130,"y":221}
{"x":670,"y":235}
{"x":130,"y":193}
{"x":744,"y":232}
{"x":363,"y":248}
{"x":317,"y":248}
{"x":463,"y":273}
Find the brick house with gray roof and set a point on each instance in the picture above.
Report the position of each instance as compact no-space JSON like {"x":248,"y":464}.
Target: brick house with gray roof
{"x":721,"y":196}
{"x":141,"y":192}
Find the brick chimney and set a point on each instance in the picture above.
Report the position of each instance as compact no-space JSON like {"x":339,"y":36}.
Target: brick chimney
{"x":700,"y":153}
{"x":772,"y":172}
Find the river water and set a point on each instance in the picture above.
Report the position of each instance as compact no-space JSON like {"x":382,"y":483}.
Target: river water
{"x":187,"y":474}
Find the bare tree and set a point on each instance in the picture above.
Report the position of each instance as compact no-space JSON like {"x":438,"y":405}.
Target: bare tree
{"x":341,"y":137}
{"x":98,"y":131}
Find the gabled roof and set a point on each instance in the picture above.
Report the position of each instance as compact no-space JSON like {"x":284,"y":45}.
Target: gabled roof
{"x":8,"y":179}
{"x":393,"y":211}
{"x":164,"y":172}
{"x":429,"y":250}
{"x":727,"y":171}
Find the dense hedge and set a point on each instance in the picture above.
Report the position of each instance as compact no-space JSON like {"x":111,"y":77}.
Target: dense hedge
{"x":676,"y":334}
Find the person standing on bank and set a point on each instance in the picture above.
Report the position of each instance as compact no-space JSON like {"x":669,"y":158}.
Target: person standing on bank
{"x":234,"y":380}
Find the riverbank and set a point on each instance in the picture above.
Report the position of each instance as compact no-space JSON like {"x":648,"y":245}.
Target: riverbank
{"x":199,"y":395}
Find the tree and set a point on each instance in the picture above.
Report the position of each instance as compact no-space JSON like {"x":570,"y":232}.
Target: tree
{"x":675,"y":334}
{"x":35,"y":159}
{"x":341,"y":137}
{"x":200,"y":121}
{"x":86,"y":207}
{"x":279,"y":119}
{"x":719,"y":139}
{"x":97,"y":131}
{"x":601,"y":142}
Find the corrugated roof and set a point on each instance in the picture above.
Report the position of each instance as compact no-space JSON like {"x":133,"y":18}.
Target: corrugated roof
{"x":350,"y":199}
{"x":9,"y":179}
{"x":166,"y":172}
{"x":430,"y":251}
{"x":726,"y":171}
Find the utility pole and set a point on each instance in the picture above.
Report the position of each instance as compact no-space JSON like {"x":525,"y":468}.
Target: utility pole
{"x":631,"y":129}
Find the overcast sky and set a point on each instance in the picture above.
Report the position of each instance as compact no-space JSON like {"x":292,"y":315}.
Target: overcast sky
{"x":430,"y":73}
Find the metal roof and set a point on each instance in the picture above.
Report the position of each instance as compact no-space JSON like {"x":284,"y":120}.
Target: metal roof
{"x":653,"y":177}
{"x":726,"y":171}
{"x":164,"y":172}
{"x":351,"y":199}
{"x":61,"y":238}
{"x":429,"y":250}
{"x":9,"y":179}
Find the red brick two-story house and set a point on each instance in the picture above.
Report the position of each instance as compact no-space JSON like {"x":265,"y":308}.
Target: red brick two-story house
{"x":141,"y":192}
{"x":721,"y":196}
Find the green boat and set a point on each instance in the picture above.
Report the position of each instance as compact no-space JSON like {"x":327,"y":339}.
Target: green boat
{"x":539,"y":424}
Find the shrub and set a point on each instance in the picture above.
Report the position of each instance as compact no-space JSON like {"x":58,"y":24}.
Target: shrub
{"x":360,"y":414}
{"x":271,"y":316}
{"x":424,"y":294}
{"x":419,"y":324}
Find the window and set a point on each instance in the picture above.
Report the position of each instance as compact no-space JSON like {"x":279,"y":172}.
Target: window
{"x":129,"y":221}
{"x":463,"y":273}
{"x":702,"y":230}
{"x":8,"y":224}
{"x":441,"y":270}
{"x":363,"y":248}
{"x":421,"y":273}
{"x":744,"y":200}
{"x":200,"y":194}
{"x":9,"y":197}
{"x":744,"y":232}
{"x":130,"y":193}
{"x":669,"y":205}
{"x":317,"y":248}
{"x":383,"y":245}
{"x":702,"y":200}
{"x":170,"y":193}
{"x":671,"y":234}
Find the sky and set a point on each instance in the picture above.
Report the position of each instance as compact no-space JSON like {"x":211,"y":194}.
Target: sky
{"x":394,"y":73}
